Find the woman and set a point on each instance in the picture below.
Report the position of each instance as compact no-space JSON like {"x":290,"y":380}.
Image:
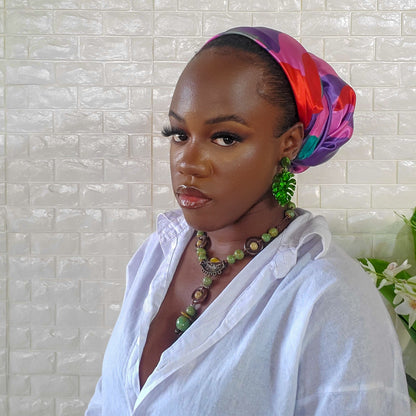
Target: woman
{"x":218,"y":322}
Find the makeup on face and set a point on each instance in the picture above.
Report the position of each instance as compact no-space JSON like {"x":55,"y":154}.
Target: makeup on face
{"x":223,"y":150}
{"x":190,"y":197}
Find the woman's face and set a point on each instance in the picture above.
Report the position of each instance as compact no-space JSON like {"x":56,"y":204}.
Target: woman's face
{"x":223,"y":150}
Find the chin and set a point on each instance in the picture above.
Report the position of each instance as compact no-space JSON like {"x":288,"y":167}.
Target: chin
{"x":197,"y":222}
{"x":208,"y":222}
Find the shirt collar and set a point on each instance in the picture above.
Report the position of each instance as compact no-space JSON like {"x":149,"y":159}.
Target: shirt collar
{"x":305,"y":228}
{"x":170,"y":225}
{"x":299,"y":233}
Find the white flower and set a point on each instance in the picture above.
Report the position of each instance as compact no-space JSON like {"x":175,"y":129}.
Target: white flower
{"x":407,"y":307}
{"x":371,"y":271}
{"x":393,"y":268}
{"x":390,"y":273}
{"x":410,"y":289}
{"x":383,"y":283}
{"x":369,"y":267}
{"x":407,"y":286}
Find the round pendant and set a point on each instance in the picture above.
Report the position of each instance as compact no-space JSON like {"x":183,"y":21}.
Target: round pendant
{"x":199,"y":294}
{"x":253,"y":245}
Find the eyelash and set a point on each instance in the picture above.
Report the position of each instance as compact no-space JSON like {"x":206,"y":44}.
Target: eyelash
{"x":172,"y":131}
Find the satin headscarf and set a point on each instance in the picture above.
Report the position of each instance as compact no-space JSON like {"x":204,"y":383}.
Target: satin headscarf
{"x":324,"y":101}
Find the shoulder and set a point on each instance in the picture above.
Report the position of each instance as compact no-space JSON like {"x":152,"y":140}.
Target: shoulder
{"x":339,"y":288}
{"x":348,"y":332}
{"x":317,"y":257}
{"x":346,"y":316}
{"x":326,"y":280}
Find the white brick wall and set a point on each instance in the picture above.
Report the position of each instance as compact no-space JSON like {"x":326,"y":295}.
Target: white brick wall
{"x":84,"y":90}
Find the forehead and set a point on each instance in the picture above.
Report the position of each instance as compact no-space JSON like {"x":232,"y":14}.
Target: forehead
{"x":218,"y":79}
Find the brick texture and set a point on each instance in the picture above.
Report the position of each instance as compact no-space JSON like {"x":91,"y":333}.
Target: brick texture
{"x":84,"y":92}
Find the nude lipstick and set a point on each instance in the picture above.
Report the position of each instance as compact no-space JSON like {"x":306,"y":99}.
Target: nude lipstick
{"x":191,"y":198}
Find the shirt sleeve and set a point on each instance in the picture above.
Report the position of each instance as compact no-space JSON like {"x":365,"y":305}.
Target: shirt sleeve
{"x":351,"y":361}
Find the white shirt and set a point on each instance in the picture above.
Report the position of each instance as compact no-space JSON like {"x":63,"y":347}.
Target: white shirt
{"x":301,"y":330}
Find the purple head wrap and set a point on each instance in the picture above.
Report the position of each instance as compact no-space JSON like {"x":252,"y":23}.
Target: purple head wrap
{"x":325,"y":103}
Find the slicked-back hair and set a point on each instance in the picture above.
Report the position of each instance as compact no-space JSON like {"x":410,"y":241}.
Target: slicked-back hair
{"x":273,"y":86}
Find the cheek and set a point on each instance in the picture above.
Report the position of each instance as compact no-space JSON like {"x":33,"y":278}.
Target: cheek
{"x":249,"y":173}
{"x":174,"y":157}
{"x":258,"y":165}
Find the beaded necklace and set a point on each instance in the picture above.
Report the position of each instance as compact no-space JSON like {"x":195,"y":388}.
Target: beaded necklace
{"x":213,"y":268}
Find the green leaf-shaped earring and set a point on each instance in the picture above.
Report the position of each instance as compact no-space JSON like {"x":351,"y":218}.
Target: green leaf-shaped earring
{"x":283,"y":187}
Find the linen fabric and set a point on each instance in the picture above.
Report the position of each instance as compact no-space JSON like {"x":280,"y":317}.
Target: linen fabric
{"x":301,"y":330}
{"x":324,"y":101}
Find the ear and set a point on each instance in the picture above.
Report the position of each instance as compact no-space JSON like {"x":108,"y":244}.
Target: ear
{"x":291,"y":141}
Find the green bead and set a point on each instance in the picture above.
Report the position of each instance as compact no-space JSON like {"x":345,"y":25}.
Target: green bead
{"x":290,"y":213}
{"x":239,"y":254}
{"x":231,"y":259}
{"x":200,"y":233}
{"x":183,"y":323}
{"x":273,"y":232}
{"x":290,"y":205}
{"x":190,"y":310}
{"x":207,"y":281}
{"x":266,"y":237}
{"x":201,"y":253}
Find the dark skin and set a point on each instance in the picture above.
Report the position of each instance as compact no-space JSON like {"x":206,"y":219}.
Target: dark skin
{"x":224,"y":145}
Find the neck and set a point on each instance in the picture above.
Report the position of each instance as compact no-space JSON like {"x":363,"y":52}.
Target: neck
{"x":256,"y":221}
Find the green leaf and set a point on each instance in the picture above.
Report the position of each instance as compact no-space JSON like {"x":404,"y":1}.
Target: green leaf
{"x":411,"y":385}
{"x":388,"y":293}
{"x":411,"y":330}
{"x":413,"y":225}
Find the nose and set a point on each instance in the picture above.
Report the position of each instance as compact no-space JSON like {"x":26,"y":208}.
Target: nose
{"x":191,"y":159}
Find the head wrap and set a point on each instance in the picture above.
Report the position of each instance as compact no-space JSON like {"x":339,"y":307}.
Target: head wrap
{"x":324,"y":101}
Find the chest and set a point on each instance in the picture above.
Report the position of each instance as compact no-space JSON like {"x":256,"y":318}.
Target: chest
{"x":187,"y":278}
{"x":233,"y":374}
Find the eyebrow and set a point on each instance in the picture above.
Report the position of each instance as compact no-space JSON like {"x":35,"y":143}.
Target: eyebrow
{"x":215,"y":120}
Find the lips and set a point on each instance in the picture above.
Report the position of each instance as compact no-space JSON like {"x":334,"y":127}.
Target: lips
{"x":190,"y":197}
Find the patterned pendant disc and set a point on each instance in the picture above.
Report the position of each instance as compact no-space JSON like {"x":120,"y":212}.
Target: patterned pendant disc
{"x":212,"y":269}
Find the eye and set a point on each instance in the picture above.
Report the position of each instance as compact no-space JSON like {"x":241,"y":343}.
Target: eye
{"x":225,"y":139}
{"x":177,"y":135}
